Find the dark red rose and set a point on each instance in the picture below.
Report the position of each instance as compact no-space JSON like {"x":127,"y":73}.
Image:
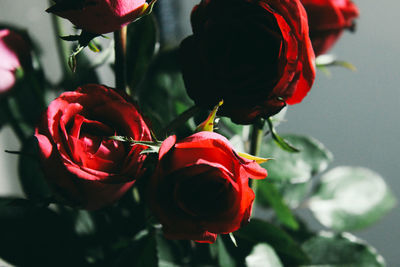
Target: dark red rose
{"x":200,"y":187}
{"x":99,"y":16}
{"x":81,"y":163}
{"x":327,"y":19}
{"x":15,"y":54}
{"x":254,"y":54}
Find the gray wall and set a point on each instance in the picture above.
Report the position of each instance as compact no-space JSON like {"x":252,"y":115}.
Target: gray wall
{"x":354,"y":114}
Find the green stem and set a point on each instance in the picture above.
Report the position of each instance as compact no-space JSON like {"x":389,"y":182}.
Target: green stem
{"x":255,"y":144}
{"x":6,"y":107}
{"x":63,"y":49}
{"x":182,"y":118}
{"x":37,"y":90}
{"x":120,"y":60}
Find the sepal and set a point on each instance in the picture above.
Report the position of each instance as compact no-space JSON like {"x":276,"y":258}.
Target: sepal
{"x":61,"y":5}
{"x":153,"y":146}
{"x":208,"y":124}
{"x":282,"y":143}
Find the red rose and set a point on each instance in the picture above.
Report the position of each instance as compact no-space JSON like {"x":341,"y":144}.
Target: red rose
{"x":200,"y":187}
{"x":15,"y":53}
{"x":254,"y":54}
{"x":99,"y":16}
{"x":81,"y":163}
{"x":327,"y":19}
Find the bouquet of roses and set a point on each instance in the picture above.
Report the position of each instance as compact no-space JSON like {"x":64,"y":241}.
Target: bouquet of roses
{"x":170,"y":167}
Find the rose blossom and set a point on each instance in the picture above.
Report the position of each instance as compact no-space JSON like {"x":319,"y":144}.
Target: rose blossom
{"x":327,"y":19}
{"x":99,"y":16}
{"x":15,"y":53}
{"x":200,"y":187}
{"x":255,"y":55}
{"x":81,"y":163}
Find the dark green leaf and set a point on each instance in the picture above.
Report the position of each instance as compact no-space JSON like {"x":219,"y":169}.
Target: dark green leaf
{"x":162,"y":88}
{"x":351,"y":198}
{"x":3,"y":111}
{"x":258,"y":231}
{"x":30,"y":172}
{"x":263,"y":255}
{"x":312,"y":159}
{"x":28,"y":98}
{"x":343,"y":249}
{"x":142,"y":39}
{"x":268,"y":195}
{"x":36,"y":236}
{"x":141,"y":253}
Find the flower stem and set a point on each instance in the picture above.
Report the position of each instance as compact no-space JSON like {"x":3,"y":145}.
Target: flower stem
{"x":120,"y":60}
{"x":182,"y":118}
{"x":255,"y":144}
{"x":256,"y":137}
{"x":63,"y":49}
{"x":13,"y":120}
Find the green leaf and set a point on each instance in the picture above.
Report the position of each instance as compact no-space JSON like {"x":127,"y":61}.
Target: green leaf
{"x":294,"y":194}
{"x":227,"y":128}
{"x":343,"y":249}
{"x":84,"y":68}
{"x":70,"y":38}
{"x":30,"y":172}
{"x":36,"y":236}
{"x":142,"y":40}
{"x":267,"y":195}
{"x":351,"y":198}
{"x":263,"y":255}
{"x":279,"y":117}
{"x":258,"y":231}
{"x":167,"y":257}
{"x":233,"y":239}
{"x":324,"y":61}
{"x":281,"y":142}
{"x":222,"y":254}
{"x":312,"y":159}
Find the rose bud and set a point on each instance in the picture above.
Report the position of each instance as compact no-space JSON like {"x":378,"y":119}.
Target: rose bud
{"x":15,"y":56}
{"x":327,"y":19}
{"x":99,"y":16}
{"x":82,"y":165}
{"x":200,"y":187}
{"x":255,"y":55}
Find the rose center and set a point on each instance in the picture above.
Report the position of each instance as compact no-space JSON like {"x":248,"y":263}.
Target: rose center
{"x":203,"y":195}
{"x":92,"y":147}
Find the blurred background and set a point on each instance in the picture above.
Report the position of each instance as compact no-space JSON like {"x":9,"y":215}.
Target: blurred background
{"x":354,"y":114}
